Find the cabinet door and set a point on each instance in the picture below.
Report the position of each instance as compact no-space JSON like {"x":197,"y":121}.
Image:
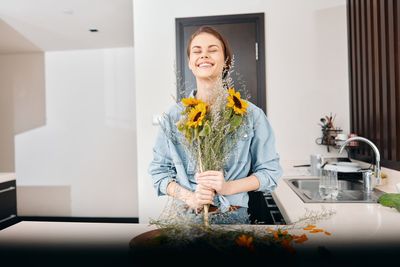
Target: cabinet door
{"x":8,"y":203}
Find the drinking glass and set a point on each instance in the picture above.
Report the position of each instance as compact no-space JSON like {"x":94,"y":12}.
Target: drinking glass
{"x":328,"y":185}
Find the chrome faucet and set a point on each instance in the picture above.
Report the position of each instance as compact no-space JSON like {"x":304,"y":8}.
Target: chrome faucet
{"x":377,"y":155}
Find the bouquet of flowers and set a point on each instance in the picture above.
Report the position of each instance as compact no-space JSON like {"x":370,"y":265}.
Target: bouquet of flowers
{"x":255,"y":242}
{"x":210,"y":130}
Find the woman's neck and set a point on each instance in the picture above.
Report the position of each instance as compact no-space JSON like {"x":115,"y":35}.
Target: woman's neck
{"x":206,"y":89}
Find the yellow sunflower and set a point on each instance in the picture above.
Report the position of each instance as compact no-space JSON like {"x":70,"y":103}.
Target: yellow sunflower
{"x":190,"y":101}
{"x":196,"y":115}
{"x":234,"y":101}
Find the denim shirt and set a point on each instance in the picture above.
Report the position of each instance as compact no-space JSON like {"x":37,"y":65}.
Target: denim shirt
{"x":254,"y":154}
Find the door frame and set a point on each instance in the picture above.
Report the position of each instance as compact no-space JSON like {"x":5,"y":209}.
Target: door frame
{"x":257,"y":18}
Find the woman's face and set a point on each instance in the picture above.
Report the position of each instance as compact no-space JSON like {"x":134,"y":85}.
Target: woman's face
{"x":206,"y":58}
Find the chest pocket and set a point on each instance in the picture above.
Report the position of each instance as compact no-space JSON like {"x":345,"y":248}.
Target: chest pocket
{"x":242,"y":150}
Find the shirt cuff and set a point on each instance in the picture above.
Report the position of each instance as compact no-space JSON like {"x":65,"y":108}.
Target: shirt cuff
{"x":265,"y":184}
{"x":162,"y":189}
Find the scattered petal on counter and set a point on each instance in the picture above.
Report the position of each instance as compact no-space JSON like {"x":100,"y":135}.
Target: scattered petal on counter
{"x":316,"y":230}
{"x":309,"y":227}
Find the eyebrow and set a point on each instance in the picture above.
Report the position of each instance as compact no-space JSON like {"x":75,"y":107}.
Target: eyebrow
{"x":213,"y":46}
{"x":197,"y":46}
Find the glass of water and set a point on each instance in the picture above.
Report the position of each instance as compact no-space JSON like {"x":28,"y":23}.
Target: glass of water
{"x":328,"y":185}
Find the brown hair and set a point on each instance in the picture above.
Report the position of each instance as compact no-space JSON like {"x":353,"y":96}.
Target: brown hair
{"x":216,"y":34}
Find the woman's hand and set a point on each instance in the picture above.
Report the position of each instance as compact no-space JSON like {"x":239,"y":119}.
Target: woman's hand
{"x":214,"y":180}
{"x":202,"y":196}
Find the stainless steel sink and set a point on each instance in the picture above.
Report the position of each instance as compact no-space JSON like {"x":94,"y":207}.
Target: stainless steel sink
{"x":350,"y":191}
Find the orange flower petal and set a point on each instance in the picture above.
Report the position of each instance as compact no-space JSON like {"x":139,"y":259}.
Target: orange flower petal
{"x":245,"y":241}
{"x":309,"y":227}
{"x":300,"y":241}
{"x":316,"y":231}
{"x":276,"y":236}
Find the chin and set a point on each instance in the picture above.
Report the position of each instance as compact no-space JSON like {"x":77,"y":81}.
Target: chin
{"x":204,"y":75}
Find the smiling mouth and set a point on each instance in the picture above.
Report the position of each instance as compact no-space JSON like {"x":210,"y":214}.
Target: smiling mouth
{"x":205,"y":65}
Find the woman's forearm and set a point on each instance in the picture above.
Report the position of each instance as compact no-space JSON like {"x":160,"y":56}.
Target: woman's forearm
{"x":247,"y":184}
{"x":176,"y":191}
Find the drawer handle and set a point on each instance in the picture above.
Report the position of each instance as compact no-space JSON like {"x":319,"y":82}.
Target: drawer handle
{"x":7,"y":189}
{"x":8,"y":218}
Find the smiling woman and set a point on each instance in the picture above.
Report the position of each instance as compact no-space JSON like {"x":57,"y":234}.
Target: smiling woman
{"x":209,"y":59}
{"x":239,"y":139}
{"x":209,"y":54}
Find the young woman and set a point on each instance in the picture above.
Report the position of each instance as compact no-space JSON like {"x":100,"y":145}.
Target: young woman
{"x":254,"y":165}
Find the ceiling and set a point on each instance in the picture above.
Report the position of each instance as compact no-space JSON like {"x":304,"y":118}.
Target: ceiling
{"x":52,"y":25}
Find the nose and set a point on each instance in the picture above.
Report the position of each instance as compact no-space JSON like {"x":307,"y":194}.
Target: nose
{"x":204,"y":55}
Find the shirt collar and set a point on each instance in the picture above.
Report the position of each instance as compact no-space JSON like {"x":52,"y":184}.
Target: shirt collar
{"x":193,"y":93}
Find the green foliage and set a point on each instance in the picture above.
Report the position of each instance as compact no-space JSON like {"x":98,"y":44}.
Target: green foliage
{"x":235,"y":121}
{"x":206,"y":130}
{"x":390,"y":200}
{"x":212,"y":141}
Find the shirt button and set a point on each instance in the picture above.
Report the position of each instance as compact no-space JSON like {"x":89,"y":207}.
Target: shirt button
{"x":245,"y":136}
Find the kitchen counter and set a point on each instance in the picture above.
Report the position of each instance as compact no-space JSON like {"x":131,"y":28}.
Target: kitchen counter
{"x":30,"y":243}
{"x":97,"y":244}
{"x":352,"y":222}
{"x":362,"y":233}
{"x":70,"y":234}
{"x":107,"y":244}
{"x":6,"y":176}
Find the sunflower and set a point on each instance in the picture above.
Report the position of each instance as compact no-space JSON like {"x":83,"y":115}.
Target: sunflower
{"x":190,"y":102}
{"x":234,"y":101}
{"x":196,"y":115}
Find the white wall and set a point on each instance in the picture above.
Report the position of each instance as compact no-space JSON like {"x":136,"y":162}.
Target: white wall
{"x":21,"y":100}
{"x":306,"y":70}
{"x":83,"y":161}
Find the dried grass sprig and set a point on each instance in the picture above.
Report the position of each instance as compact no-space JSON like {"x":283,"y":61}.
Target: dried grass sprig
{"x":183,"y":232}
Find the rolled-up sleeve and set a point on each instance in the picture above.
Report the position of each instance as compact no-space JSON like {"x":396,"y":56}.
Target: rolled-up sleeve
{"x":265,"y":159}
{"x":161,"y":168}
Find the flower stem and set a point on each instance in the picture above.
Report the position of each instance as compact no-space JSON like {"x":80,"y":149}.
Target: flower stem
{"x":206,"y":206}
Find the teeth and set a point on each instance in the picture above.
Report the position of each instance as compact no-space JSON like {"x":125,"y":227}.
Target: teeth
{"x":205,"y":65}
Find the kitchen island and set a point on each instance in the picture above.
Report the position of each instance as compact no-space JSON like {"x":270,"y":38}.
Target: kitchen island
{"x":361,"y":234}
